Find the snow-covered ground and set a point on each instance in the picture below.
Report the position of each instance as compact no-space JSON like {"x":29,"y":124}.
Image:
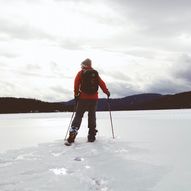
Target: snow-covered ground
{"x":152,"y":151}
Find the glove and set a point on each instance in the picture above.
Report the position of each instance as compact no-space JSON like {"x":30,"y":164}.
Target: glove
{"x":76,"y":97}
{"x":108,"y":94}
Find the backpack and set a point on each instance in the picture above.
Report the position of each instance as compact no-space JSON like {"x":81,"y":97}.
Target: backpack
{"x":90,"y":81}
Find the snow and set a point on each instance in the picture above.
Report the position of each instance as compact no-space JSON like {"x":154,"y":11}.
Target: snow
{"x":151,"y":151}
{"x":103,"y":165}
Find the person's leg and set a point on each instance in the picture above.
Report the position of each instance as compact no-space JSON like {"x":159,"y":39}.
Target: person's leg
{"x":80,"y":110}
{"x":92,"y":120}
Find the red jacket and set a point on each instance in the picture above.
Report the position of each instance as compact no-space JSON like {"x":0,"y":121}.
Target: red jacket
{"x":77,"y":84}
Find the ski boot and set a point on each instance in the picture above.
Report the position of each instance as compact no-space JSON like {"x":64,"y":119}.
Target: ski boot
{"x":72,"y":136}
{"x":92,"y":135}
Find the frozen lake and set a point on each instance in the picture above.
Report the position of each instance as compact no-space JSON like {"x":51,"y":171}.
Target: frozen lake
{"x":164,"y":127}
{"x":165,"y":135}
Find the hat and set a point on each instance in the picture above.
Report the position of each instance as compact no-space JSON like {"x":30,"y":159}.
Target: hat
{"x":86,"y":63}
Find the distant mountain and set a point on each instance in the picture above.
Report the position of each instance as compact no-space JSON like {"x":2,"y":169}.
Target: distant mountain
{"x":147,"y":101}
{"x":176,"y":101}
{"x":151,"y":102}
{"x":127,"y":103}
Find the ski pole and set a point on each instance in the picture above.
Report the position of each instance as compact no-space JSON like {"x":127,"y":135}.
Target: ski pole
{"x":109,"y":107}
{"x":75,"y":106}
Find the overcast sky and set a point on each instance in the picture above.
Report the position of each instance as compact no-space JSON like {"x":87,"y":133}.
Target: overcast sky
{"x":138,"y":46}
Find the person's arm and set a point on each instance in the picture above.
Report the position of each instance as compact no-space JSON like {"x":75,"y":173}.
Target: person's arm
{"x":77,"y":83}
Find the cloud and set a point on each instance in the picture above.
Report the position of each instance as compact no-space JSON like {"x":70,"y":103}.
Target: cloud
{"x":7,"y":54}
{"x":155,"y":13}
{"x":115,"y":75}
{"x":55,"y":93}
{"x":71,"y":44}
{"x":6,"y":87}
{"x":175,"y":79}
{"x":132,"y":42}
{"x":122,"y":89}
{"x":182,"y":69}
{"x":166,"y":86}
{"x":21,"y":30}
{"x":152,"y":24}
{"x":22,"y":1}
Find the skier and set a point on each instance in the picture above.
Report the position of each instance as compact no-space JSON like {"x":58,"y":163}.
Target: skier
{"x":86,"y":84}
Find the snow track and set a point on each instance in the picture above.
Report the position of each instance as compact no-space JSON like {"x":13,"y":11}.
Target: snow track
{"x":104,"y":165}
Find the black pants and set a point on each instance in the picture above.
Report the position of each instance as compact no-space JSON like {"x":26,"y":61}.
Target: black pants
{"x":82,"y":107}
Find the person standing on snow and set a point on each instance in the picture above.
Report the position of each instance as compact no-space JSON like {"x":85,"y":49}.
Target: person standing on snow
{"x":86,"y":86}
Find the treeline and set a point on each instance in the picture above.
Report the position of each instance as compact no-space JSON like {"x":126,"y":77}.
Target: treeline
{"x":135,"y":102}
{"x":23,"y":105}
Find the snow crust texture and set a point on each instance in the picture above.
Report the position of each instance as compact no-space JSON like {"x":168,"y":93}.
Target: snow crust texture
{"x":105,"y":165}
